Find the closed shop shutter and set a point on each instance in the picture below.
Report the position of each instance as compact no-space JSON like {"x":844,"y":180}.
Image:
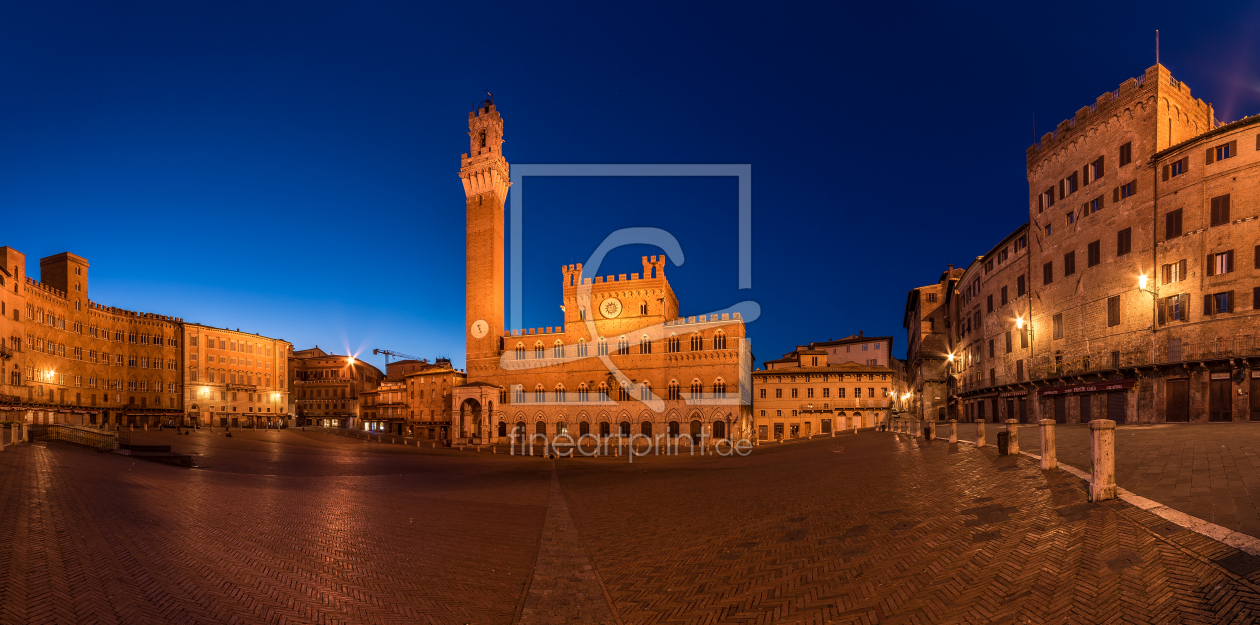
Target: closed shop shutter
{"x":1117,"y":407}
{"x":1220,"y":404}
{"x":1086,"y":412}
{"x":1060,"y":408}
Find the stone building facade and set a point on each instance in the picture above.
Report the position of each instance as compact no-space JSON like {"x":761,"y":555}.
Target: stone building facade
{"x":234,"y":378}
{"x":624,"y":361}
{"x":1141,"y":268}
{"x":928,"y":347}
{"x":821,"y":387}
{"x":329,"y":389}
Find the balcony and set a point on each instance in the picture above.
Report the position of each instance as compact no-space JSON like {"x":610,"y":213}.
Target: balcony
{"x":848,"y":404}
{"x":1112,"y":356}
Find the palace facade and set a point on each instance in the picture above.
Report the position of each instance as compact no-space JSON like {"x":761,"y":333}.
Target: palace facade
{"x":624,"y":360}
{"x":329,"y":389}
{"x":1131,"y":293}
{"x":68,"y":359}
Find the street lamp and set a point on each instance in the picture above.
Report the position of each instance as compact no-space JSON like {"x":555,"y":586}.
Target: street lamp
{"x":1019,"y":323}
{"x":1153,"y":290}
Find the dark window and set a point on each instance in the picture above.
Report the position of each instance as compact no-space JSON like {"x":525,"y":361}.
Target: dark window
{"x":1069,"y":263}
{"x":1023,"y":338}
{"x":1126,"y":154}
{"x":1125,"y":190}
{"x":1008,"y":341}
{"x":1019,"y":371}
{"x":990,"y":303}
{"x":1113,"y":311}
{"x":1124,"y":242}
{"x":1021,"y":285}
{"x":1172,"y":224}
{"x":931,"y":297}
{"x":1047,"y":273}
{"x":1220,"y":210}
{"x":1004,"y":299}
{"x":1094,"y":253}
{"x":990,"y":348}
{"x":1256,"y":258}
{"x":1094,"y":205}
{"x":1214,"y":303}
{"x":1058,"y":326}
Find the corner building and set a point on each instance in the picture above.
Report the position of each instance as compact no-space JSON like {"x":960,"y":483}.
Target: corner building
{"x":1142,"y":265}
{"x":643,"y":370}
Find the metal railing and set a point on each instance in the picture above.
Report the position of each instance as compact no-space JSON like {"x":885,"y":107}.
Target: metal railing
{"x":1110,"y":355}
{"x":90,"y":437}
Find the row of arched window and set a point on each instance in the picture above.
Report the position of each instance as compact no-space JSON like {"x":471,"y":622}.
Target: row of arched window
{"x":674,"y":430}
{"x":605,"y":392}
{"x":673,"y":344}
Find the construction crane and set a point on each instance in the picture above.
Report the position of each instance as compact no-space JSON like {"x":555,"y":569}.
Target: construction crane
{"x":396,"y":355}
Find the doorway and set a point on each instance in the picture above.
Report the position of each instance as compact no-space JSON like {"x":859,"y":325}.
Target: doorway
{"x":1085,"y":413}
{"x":1177,"y":401}
{"x":1117,"y":407}
{"x":1220,"y":404}
{"x":696,"y":429}
{"x":1060,"y":409}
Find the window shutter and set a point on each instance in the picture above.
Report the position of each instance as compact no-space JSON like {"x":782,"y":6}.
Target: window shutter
{"x":1167,"y":275}
{"x":1257,"y":257}
{"x":1100,"y":202}
{"x":1255,"y":298}
{"x":1258,"y":142}
{"x":1181,"y":270}
{"x":1185,"y":164}
{"x":1233,"y":148}
{"x":1115,"y":194}
{"x":1229,"y":301}
{"x":1225,"y":208}
{"x":1229,"y":261}
{"x":1162,"y":306}
{"x":1061,"y":189}
{"x":1100,"y":166}
{"x":1210,"y":154}
{"x":1165,"y":172}
{"x":1133,"y":187}
{"x":1216,"y":211}
{"x":1041,"y":202}
{"x":1207,"y":304}
{"x":1085,"y":175}
{"x":1211,"y":267}
{"x":1184,"y":300}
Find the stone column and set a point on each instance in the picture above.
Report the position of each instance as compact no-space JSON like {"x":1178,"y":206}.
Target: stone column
{"x":979,"y":432}
{"x":953,"y":430}
{"x":1012,"y":437}
{"x":1049,"y":459}
{"x":1103,"y":449}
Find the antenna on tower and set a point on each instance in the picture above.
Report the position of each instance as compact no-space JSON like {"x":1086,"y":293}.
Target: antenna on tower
{"x":1157,"y":46}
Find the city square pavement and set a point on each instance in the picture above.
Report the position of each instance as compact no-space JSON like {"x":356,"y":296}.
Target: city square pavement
{"x":305,"y":527}
{"x":1208,"y":470}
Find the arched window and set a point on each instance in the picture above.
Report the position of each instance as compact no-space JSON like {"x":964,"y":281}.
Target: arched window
{"x":520,"y":394}
{"x":645,"y":429}
{"x":483,"y":139}
{"x":697,"y":343}
{"x":539,"y":393}
{"x":539,"y":351}
{"x":674,"y":345}
{"x":559,"y":392}
{"x":603,"y":391}
{"x":645,"y":390}
{"x":642,"y":308}
{"x":675,"y":391}
{"x":603,"y":346}
{"x":623,"y":346}
{"x":623,"y":393}
{"x":697,"y":389}
{"x":604,"y":429}
{"x":645,"y":344}
{"x":719,"y":340}
{"x":562,"y":429}
{"x":557,"y":350}
{"x":719,"y":389}
{"x":673,"y":429}
{"x":719,"y":429}
{"x":582,"y":313}
{"x":520,"y":351}
{"x":583,"y":392}
{"x":581,"y":348}
{"x":584,"y":428}
{"x":623,"y":428}
{"x":540,"y":428}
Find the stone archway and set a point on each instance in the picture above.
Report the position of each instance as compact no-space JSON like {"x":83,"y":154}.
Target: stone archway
{"x":470,"y":420}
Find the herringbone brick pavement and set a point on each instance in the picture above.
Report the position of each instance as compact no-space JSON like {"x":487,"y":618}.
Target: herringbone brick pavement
{"x":291,"y":527}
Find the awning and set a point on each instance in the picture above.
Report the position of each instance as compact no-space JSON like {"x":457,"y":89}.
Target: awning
{"x":1093,"y":387}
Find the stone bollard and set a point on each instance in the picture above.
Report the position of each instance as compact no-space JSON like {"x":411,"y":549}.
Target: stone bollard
{"x":917,"y":426}
{"x":979,"y":432}
{"x":1012,"y":437}
{"x":1049,"y":459}
{"x":931,"y":429}
{"x":1102,"y":434}
{"x":146,"y":427}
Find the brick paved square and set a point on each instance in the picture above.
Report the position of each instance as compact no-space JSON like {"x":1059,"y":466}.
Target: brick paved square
{"x":291,"y":526}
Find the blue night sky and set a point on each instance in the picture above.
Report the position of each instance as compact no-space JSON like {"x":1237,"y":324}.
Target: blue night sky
{"x":290,"y":169}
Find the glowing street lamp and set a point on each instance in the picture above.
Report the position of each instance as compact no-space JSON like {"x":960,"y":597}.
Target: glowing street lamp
{"x":1019,"y":323}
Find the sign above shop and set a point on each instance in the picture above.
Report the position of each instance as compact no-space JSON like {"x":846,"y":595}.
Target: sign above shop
{"x":1092,"y":387}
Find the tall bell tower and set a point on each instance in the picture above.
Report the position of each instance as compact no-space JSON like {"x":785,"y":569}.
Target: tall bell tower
{"x":484,"y":173}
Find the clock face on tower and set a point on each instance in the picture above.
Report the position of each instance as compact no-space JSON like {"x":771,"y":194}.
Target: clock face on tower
{"x":479,"y":328}
{"x":610,"y":307}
